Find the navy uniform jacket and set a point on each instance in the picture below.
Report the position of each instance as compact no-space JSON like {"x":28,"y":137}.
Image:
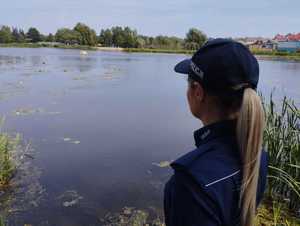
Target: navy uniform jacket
{"x":204,"y":190}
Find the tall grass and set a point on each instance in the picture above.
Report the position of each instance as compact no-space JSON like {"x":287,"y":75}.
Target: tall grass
{"x":275,"y":214}
{"x":282,"y":140}
{"x":7,"y":166}
{"x":2,"y":222}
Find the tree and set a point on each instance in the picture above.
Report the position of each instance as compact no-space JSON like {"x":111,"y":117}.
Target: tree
{"x":33,"y":35}
{"x":50,"y":38}
{"x":18,"y":35}
{"x":130,"y":38}
{"x":117,"y":36}
{"x":15,"y":35}
{"x":87,"y":35}
{"x":141,"y":42}
{"x":106,"y":37}
{"x":162,"y":42}
{"x":5,"y":34}
{"x":194,"y":39}
{"x":67,"y":36}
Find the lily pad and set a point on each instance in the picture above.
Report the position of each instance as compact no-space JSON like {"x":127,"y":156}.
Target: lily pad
{"x":76,"y":142}
{"x":27,"y":111}
{"x":162,"y":164}
{"x":32,"y":111}
{"x":71,"y":203}
{"x":71,"y":140}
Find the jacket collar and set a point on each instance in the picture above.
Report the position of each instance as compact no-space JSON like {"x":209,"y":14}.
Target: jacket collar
{"x":215,"y":130}
{"x":202,"y":136}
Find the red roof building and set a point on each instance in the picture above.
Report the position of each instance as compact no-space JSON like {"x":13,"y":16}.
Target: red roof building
{"x":288,"y":37}
{"x":280,"y":38}
{"x":294,"y":37}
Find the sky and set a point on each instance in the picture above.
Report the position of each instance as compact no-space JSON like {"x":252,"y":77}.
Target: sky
{"x":217,"y":18}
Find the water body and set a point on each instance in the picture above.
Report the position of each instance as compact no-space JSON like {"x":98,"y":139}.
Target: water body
{"x":100,"y":123}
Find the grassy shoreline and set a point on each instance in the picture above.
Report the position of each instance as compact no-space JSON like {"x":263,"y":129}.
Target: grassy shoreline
{"x":169,"y":51}
{"x":42,"y":45}
{"x":260,"y":54}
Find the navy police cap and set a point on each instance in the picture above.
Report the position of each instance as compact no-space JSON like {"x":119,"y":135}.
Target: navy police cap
{"x":222,"y":64}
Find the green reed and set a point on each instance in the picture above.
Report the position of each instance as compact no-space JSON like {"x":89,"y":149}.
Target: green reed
{"x":2,"y":222}
{"x":282,"y":140}
{"x":7,"y":167}
{"x":274,"y":213}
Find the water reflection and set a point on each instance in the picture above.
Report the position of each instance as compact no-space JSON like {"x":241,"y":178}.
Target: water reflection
{"x":6,"y":60}
{"x":81,"y":63}
{"x":119,"y":59}
{"x":36,"y":60}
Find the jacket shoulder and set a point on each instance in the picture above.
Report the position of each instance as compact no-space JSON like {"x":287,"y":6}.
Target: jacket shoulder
{"x":210,"y":162}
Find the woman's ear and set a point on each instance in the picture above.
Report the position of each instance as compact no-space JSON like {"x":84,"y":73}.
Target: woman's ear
{"x":198,"y":91}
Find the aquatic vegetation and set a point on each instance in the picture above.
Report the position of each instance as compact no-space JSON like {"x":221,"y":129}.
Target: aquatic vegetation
{"x":282,"y":140}
{"x":71,"y":140}
{"x":162,"y":164}
{"x":2,"y":221}
{"x":130,"y":216}
{"x":276,"y":214}
{"x":32,"y":111}
{"x":70,"y":198}
{"x":20,"y":189}
{"x":7,"y":165}
{"x":269,"y":214}
{"x":27,"y":111}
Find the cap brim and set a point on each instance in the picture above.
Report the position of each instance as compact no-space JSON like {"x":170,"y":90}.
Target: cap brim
{"x":183,"y":67}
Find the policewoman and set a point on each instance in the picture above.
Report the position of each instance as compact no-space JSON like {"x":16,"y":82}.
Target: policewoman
{"x":222,"y":181}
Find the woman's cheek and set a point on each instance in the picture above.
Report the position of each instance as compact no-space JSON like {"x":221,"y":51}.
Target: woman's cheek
{"x":190,"y":100}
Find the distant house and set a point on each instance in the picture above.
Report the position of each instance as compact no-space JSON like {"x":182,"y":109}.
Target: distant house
{"x":256,"y":44}
{"x":263,"y":44}
{"x":269,"y":45}
{"x":288,"y":43}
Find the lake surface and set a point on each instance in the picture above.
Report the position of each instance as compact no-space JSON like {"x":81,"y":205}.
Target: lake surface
{"x":99,"y":124}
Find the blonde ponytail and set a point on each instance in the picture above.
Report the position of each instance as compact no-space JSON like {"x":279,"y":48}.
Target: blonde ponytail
{"x":250,"y":128}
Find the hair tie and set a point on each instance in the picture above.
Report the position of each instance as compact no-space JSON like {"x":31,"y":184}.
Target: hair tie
{"x":241,"y":86}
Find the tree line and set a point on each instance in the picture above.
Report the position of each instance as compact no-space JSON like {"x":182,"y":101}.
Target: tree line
{"x":117,"y":36}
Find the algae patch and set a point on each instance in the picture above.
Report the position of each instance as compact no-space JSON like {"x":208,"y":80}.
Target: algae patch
{"x":130,"y":216}
{"x":69,"y":198}
{"x":32,"y":111}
